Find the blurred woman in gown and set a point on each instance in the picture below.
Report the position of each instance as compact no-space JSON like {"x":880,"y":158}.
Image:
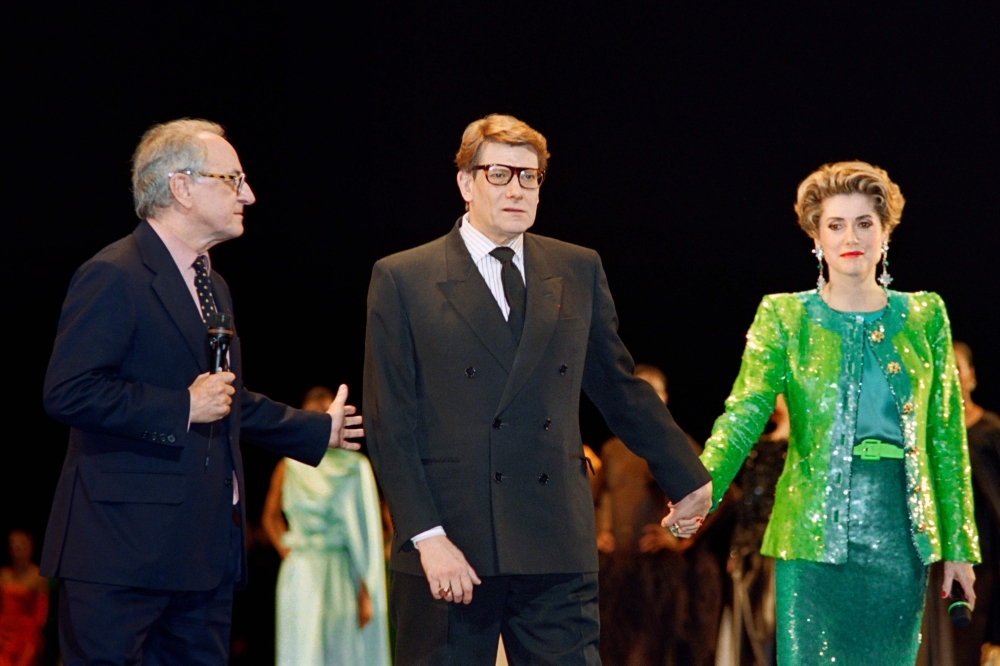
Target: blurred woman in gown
{"x":331,"y":596}
{"x":24,"y":605}
{"x":876,"y":484}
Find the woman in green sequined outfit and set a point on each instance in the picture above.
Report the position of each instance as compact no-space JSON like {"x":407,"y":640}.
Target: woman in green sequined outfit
{"x":876,"y":484}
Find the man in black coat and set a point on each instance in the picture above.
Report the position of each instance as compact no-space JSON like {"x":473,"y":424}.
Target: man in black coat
{"x":477,"y":348}
{"x":146,"y":530}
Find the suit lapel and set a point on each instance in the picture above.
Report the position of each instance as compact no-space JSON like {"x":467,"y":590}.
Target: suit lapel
{"x":468,"y":293}
{"x":544,"y":292}
{"x":173,"y":293}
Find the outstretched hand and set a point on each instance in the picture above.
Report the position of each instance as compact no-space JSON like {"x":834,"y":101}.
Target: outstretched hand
{"x":345,"y":422}
{"x":687,"y":515}
{"x":448,"y":573}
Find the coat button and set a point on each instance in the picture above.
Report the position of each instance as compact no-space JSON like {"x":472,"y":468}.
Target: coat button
{"x":497,"y":423}
{"x":907,"y":407}
{"x":893,"y":367}
{"x":498,"y":477}
{"x":563,"y":368}
{"x":548,"y":424}
{"x":877,"y":335}
{"x":228,"y":483}
{"x":543,"y":479}
{"x":171,"y":439}
{"x":470,"y":372}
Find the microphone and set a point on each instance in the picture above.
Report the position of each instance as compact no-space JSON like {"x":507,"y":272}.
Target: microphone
{"x":959,"y":611}
{"x":220,"y":335}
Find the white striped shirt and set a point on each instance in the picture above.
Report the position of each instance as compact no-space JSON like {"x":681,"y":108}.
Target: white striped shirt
{"x":479,"y":247}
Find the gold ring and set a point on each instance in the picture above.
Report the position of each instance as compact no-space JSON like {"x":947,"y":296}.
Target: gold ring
{"x":443,"y":592}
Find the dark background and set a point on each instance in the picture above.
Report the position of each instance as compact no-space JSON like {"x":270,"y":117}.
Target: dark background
{"x":678,"y":136}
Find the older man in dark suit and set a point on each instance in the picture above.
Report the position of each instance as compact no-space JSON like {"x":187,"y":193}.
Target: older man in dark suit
{"x":146,"y":531}
{"x":478,"y":346}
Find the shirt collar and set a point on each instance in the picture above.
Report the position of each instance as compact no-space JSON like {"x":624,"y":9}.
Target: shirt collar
{"x":479,"y":245}
{"x":182,"y":254}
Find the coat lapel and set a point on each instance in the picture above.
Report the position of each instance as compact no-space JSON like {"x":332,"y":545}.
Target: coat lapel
{"x":468,"y":293}
{"x":172,"y":292}
{"x":544,"y":292}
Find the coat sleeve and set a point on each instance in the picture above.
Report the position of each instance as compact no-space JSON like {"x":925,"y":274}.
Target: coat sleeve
{"x":84,"y":385}
{"x":284,"y":430}
{"x":948,"y":448}
{"x":630,"y":406}
{"x":392,"y":418}
{"x":751,"y":402}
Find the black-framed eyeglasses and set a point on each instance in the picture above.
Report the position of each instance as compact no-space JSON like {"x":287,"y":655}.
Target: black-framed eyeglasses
{"x":236,"y":180}
{"x":501,"y":174}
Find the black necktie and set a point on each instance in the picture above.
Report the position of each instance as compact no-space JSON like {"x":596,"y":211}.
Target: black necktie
{"x":206,"y":298}
{"x":513,"y":289}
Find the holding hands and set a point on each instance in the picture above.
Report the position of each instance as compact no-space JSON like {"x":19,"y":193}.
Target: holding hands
{"x":687,"y":516}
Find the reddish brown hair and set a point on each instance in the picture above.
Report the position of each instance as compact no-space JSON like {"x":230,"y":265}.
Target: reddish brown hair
{"x":498,"y":128}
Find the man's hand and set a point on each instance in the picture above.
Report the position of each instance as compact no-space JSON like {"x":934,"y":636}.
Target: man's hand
{"x":211,"y":396}
{"x":343,"y":416}
{"x":687,"y":515}
{"x":449,"y":575}
{"x":966,"y":577}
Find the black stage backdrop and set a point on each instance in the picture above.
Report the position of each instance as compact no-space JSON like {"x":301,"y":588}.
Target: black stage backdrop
{"x":678,"y":135}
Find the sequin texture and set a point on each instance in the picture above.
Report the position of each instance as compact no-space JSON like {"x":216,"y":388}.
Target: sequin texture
{"x":798,"y":346}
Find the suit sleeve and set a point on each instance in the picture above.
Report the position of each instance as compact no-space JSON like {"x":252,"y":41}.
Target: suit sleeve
{"x":392,"y":418}
{"x":84,"y":385}
{"x":630,"y":406}
{"x":286,"y":431}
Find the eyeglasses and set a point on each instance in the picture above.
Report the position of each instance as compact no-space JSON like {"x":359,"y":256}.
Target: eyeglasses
{"x":237,"y":179}
{"x":501,"y":174}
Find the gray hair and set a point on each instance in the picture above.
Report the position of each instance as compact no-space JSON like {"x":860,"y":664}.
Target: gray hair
{"x":167,"y":148}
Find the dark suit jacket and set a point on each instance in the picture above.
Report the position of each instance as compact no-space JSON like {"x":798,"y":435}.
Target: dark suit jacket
{"x":470,"y":431}
{"x":143,"y":501}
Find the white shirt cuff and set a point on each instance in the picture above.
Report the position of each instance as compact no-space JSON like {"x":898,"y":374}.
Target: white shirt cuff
{"x":432,"y":532}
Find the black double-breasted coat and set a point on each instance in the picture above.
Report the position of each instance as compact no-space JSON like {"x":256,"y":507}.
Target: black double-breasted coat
{"x":471,"y":431}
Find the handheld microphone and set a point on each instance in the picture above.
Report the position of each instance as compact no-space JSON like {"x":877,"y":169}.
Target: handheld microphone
{"x":220,"y":335}
{"x":959,"y":611}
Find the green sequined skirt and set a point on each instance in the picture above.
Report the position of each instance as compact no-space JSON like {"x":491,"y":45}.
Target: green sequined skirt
{"x":865,"y":612}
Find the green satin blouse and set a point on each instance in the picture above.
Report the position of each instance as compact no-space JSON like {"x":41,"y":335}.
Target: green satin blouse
{"x":799,"y":346}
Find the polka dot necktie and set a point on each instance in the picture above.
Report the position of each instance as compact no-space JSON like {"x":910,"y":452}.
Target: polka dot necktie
{"x":513,"y":289}
{"x":206,"y":299}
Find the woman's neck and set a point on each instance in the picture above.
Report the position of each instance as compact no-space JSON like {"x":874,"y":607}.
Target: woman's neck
{"x":849,"y":295}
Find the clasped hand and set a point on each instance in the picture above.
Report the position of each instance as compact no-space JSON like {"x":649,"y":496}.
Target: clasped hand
{"x":687,"y":515}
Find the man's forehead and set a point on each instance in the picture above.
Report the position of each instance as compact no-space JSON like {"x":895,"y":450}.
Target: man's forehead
{"x":221,"y":153}
{"x":504,"y":153}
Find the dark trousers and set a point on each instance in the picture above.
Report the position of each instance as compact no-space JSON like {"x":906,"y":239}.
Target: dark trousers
{"x":549,"y":620}
{"x":114,"y":625}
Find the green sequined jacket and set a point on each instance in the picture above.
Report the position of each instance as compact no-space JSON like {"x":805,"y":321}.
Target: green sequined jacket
{"x":812,"y":354}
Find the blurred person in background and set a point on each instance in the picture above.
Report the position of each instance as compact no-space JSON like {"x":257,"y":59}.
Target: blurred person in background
{"x":877,"y":484}
{"x":331,"y":596}
{"x":660,"y":595}
{"x":968,"y":646}
{"x":747,"y":634}
{"x":24,"y":604}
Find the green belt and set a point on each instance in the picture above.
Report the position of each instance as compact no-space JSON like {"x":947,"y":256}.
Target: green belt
{"x":873,"y":449}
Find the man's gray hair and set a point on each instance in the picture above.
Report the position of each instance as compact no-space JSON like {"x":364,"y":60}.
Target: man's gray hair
{"x":167,"y":148}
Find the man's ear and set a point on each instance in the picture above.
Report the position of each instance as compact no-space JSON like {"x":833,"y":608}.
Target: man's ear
{"x":180,"y":187}
{"x":464,"y":179}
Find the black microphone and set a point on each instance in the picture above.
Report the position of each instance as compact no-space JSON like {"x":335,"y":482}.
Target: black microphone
{"x":960,"y":611}
{"x":220,"y":334}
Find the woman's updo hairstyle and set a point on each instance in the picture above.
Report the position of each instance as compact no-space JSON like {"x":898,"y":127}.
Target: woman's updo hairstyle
{"x":848,"y":178}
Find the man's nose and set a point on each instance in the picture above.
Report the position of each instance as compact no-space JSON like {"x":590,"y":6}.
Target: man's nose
{"x":246,"y":196}
{"x":514,"y":189}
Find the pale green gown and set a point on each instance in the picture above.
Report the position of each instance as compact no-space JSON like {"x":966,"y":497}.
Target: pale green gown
{"x":335,"y":537}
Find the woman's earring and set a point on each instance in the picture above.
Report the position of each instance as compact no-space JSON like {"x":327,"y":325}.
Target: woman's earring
{"x":820,"y":281}
{"x":885,"y":279}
